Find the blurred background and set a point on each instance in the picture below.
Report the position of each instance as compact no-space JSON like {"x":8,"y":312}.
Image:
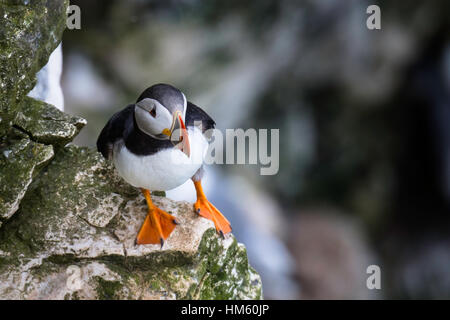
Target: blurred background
{"x":363,"y":116}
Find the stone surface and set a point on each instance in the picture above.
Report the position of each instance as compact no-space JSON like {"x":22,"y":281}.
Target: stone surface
{"x":25,"y":150}
{"x":20,"y":160}
{"x":73,"y":238}
{"x":45,"y":123}
{"x":30,"y":31}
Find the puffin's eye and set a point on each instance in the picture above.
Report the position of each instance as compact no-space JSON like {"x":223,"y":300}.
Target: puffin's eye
{"x":153,"y":112}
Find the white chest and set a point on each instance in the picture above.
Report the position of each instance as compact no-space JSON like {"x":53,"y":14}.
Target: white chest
{"x":164,"y":170}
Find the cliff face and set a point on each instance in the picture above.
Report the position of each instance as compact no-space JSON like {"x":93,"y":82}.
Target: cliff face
{"x":67,"y":221}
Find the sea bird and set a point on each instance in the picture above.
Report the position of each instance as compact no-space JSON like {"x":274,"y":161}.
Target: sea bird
{"x":157,"y":144}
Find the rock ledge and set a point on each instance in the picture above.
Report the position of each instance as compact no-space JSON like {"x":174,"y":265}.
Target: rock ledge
{"x":73,"y":238}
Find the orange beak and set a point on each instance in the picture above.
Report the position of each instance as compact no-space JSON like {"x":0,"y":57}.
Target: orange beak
{"x":178,"y":135}
{"x":184,"y":139}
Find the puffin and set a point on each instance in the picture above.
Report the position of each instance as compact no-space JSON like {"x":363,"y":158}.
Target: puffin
{"x":157,"y":144}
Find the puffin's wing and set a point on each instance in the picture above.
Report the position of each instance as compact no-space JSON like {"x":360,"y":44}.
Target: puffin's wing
{"x":195,"y":114}
{"x":113,"y":131}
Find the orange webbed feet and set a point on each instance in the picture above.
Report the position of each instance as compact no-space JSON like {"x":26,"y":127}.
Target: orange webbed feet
{"x":157,"y":226}
{"x":207,"y":210}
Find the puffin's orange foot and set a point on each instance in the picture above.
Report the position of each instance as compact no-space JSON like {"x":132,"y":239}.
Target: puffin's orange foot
{"x":157,"y":227}
{"x":205,"y":209}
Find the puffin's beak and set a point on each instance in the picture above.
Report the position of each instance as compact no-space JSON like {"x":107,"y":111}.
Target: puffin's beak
{"x":181,"y":139}
{"x":185,"y":146}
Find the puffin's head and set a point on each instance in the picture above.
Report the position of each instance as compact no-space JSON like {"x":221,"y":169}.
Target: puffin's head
{"x":160,"y":113}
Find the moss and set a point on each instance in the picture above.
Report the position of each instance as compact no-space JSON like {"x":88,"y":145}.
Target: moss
{"x":30,"y":31}
{"x":74,"y":183}
{"x":108,"y":290}
{"x":45,"y":123}
{"x":72,"y":296}
{"x":201,"y":279}
{"x":176,"y":280}
{"x":161,"y":259}
{"x":20,"y":160}
{"x":224,"y":272}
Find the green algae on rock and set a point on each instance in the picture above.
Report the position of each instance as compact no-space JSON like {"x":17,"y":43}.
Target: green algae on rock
{"x":78,"y":215}
{"x":29,"y":146}
{"x":45,"y":123}
{"x":20,"y":160}
{"x":30,"y":31}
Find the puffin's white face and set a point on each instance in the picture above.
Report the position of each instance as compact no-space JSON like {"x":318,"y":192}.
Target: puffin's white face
{"x":154,"y":119}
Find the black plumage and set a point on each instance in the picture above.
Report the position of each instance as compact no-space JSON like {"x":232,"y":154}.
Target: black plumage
{"x":166,"y":94}
{"x":196,"y":114}
{"x":114,"y":131}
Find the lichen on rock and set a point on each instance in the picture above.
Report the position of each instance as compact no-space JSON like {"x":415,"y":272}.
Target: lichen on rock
{"x":28,"y":146}
{"x":30,"y":31}
{"x":45,"y":123}
{"x":58,"y":222}
{"x":20,"y":160}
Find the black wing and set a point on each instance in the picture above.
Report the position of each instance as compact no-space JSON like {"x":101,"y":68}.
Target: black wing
{"x":195,"y":114}
{"x":113,"y":131}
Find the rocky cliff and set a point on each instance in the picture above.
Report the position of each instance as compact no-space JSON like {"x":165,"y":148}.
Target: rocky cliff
{"x":67,"y":221}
